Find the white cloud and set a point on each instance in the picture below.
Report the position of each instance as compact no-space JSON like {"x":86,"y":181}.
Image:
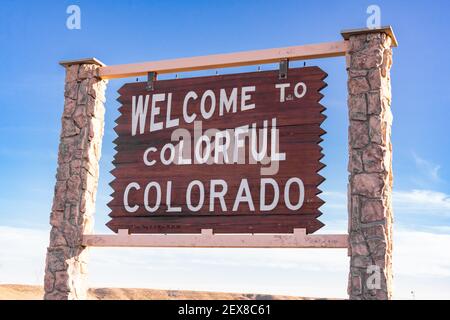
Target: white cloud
{"x":421,"y":264}
{"x":428,"y":170}
{"x":334,"y":199}
{"x":417,"y":201}
{"x":422,"y":253}
{"x":422,"y":201}
{"x":22,"y":255}
{"x":440,"y":229}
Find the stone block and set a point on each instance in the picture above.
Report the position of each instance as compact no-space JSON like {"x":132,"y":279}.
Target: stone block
{"x":355,"y":207}
{"x":374,"y":231}
{"x":72,"y":73}
{"x":56,"y":259}
{"x":73,"y":189}
{"x":57,"y":218}
{"x":367,"y":59}
{"x":57,"y":238}
{"x":352,"y":73}
{"x":87,"y":71}
{"x":82,"y":97}
{"x":360,"y":249}
{"x":358,"y":85}
{"x":374,"y":101}
{"x":79,"y":116}
{"x":355,"y":164}
{"x":377,"y":130}
{"x":69,"y":128}
{"x":368,"y":184}
{"x":372,"y":210}
{"x":375,"y":79}
{"x":357,"y":107}
{"x":63,"y":171}
{"x":62,"y":281}
{"x":59,"y":195}
{"x":358,"y":133}
{"x":355,"y":284}
{"x":357,"y":43}
{"x":71,"y":90}
{"x":69,"y":107}
{"x":75,"y":167}
{"x":49,"y":281}
{"x":373,"y":158}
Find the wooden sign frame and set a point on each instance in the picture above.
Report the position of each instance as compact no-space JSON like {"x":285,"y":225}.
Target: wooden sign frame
{"x":369,"y":241}
{"x":208,"y":238}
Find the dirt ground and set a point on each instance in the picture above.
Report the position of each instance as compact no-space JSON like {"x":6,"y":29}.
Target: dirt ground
{"x":28,"y":292}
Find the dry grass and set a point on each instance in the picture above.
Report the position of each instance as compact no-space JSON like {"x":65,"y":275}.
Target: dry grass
{"x":27,"y":292}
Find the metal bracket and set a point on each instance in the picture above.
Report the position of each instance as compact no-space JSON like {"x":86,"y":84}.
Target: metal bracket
{"x":284,"y":66}
{"x":151,"y":78}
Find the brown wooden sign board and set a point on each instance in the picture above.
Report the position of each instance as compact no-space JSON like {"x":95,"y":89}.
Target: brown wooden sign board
{"x":234,"y":153}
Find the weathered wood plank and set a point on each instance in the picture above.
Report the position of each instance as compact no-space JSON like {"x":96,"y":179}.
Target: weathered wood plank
{"x":298,"y":121}
{"x":304,"y":52}
{"x":208,"y":239}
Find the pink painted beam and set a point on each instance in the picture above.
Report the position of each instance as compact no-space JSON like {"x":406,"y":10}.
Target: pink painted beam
{"x":237,"y":59}
{"x":207,"y":239}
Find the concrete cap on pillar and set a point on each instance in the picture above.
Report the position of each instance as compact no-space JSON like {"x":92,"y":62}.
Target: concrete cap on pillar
{"x":66,"y":63}
{"x":386,"y":29}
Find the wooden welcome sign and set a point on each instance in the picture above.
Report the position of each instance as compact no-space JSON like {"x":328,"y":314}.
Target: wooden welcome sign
{"x":234,"y":153}
{"x":225,"y":161}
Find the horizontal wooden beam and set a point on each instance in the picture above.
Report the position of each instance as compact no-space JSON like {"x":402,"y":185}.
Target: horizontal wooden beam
{"x":207,"y":239}
{"x":311,"y":51}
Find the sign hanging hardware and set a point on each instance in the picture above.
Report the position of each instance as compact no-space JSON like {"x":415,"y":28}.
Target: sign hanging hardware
{"x":151,"y":78}
{"x":284,"y":66}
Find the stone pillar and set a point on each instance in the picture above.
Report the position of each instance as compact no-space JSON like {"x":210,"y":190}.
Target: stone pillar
{"x":369,"y":62}
{"x":76,"y":180}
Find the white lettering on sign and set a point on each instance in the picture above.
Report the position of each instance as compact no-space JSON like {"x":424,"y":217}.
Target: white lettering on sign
{"x":201,"y":189}
{"x":298,"y":94}
{"x":303,"y":92}
{"x":207,"y":107}
{"x":217,"y":192}
{"x":146,"y":156}
{"x":245,"y":97}
{"x":208,"y":95}
{"x":301,"y":194}
{"x":221,"y":147}
{"x":228,"y":103}
{"x":157,"y":187}
{"x":170,"y":122}
{"x":190,"y":95}
{"x":169,"y":199}
{"x":155,"y":112}
{"x":139,"y":114}
{"x":262,"y":195}
{"x":155,"y":126}
{"x":133,"y":185}
{"x":282,"y":87}
{"x":244,"y":195}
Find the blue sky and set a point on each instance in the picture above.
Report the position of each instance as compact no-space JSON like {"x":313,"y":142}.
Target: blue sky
{"x":34,"y":38}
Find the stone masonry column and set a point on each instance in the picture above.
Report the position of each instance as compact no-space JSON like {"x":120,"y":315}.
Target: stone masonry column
{"x":369,"y":60}
{"x":76,"y":180}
